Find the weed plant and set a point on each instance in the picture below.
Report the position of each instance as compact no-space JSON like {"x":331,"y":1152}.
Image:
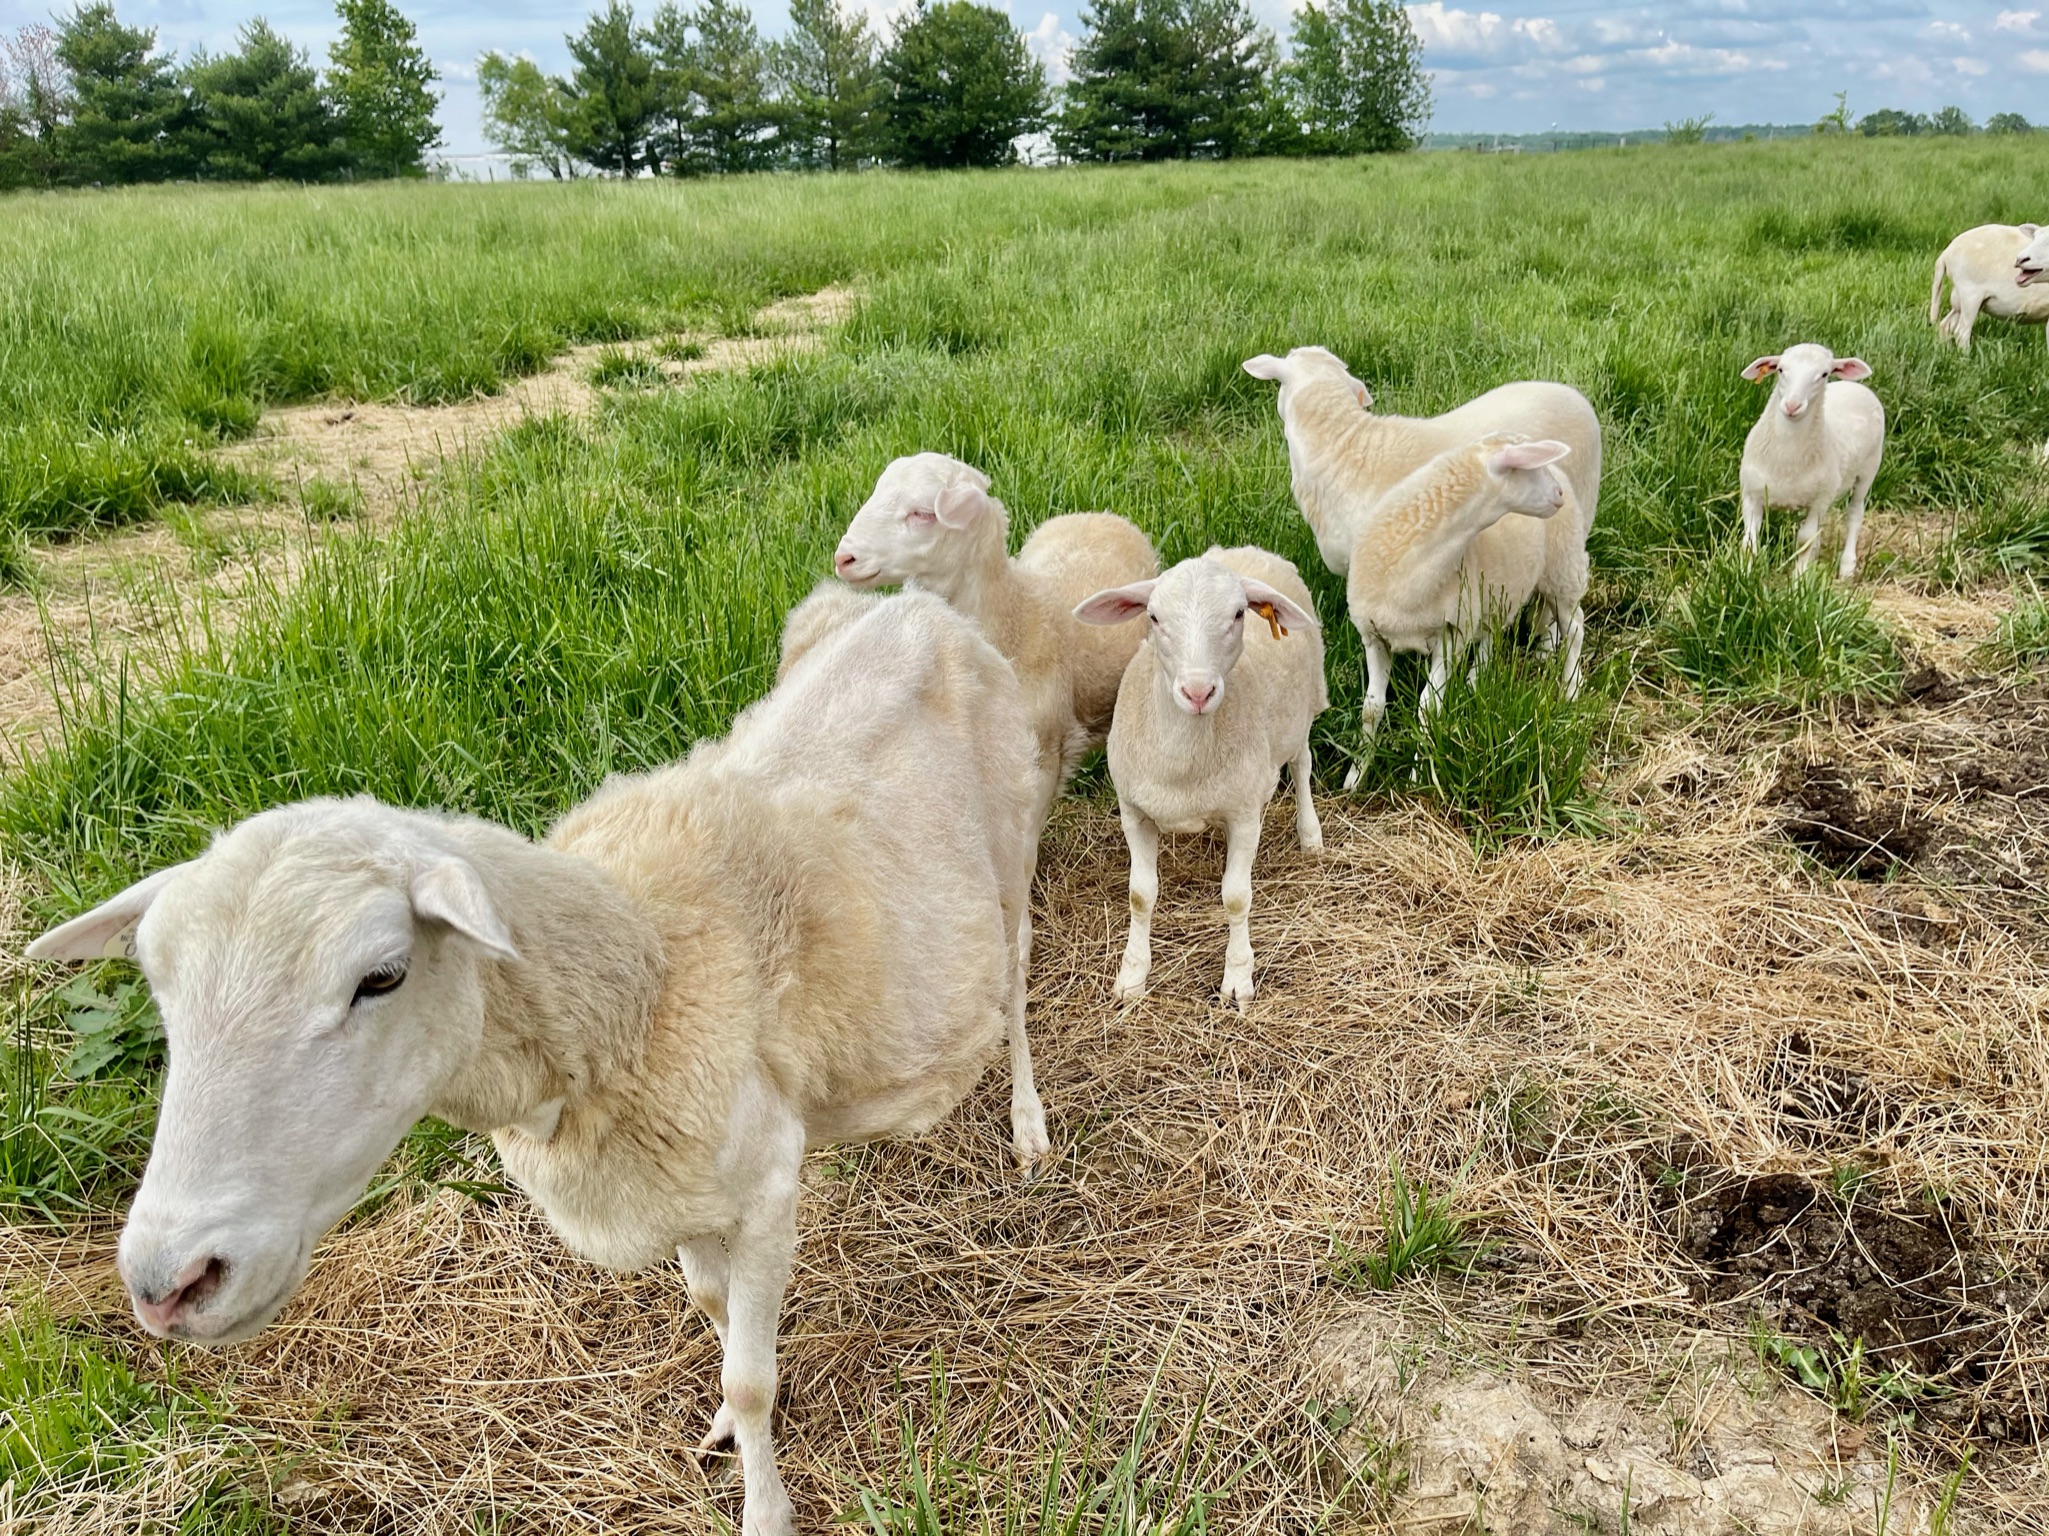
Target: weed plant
{"x":1420,"y":1233}
{"x":2023,"y":635}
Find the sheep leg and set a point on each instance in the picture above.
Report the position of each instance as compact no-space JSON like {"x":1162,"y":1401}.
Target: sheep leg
{"x":1966,"y":309}
{"x":760,"y":1253}
{"x":1440,"y":673}
{"x":1242,"y":843}
{"x":1143,"y":839}
{"x":1753,"y":519}
{"x":1379,"y":667}
{"x":707,"y":1272}
{"x":1853,"y":525}
{"x":1573,"y":625}
{"x":1028,"y":1138}
{"x":1482,"y":653}
{"x":1810,"y":540}
{"x":1308,"y":830}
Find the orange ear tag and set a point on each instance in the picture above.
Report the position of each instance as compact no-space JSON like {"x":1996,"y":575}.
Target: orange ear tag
{"x":1273,"y":619}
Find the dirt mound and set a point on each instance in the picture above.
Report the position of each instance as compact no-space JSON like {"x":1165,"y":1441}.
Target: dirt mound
{"x":1852,"y":832}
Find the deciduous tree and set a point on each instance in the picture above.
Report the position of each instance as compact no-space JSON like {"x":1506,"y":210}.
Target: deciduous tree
{"x":383,"y":89}
{"x":1356,"y":78}
{"x":526,"y":115}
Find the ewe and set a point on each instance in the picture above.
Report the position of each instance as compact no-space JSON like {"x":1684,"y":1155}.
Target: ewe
{"x":1996,"y":269}
{"x":932,"y":523}
{"x":1820,"y":436}
{"x":1343,"y":456}
{"x":1440,"y":563}
{"x":1190,"y":751}
{"x":805,"y":933}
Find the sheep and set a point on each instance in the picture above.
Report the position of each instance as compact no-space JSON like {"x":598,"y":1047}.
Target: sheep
{"x":1209,"y":710}
{"x":826,"y":609}
{"x":804,"y":933}
{"x":1821,"y":435}
{"x":932,"y":524}
{"x":1991,"y":269}
{"x":1344,"y":458}
{"x":1441,"y":564}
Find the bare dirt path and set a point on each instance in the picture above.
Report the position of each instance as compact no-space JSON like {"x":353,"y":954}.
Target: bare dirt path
{"x":116,"y":594}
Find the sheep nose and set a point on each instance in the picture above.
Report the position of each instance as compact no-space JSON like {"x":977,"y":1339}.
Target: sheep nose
{"x":843,"y":562}
{"x":161,"y":1309}
{"x":1795,"y":407}
{"x":1198,"y":695}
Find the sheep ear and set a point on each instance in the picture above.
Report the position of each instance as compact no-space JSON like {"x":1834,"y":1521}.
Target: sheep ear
{"x":1365,"y":395}
{"x":107,"y":932}
{"x":960,"y":504}
{"x":1760,"y":368}
{"x":2030,"y":230}
{"x":1278,"y":609}
{"x":1264,"y":366}
{"x":1116,"y":604}
{"x":452,"y":892}
{"x":1850,"y":368}
{"x":1526,"y":455}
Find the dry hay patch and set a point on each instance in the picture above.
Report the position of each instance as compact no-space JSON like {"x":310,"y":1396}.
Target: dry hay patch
{"x":1583,"y":1043}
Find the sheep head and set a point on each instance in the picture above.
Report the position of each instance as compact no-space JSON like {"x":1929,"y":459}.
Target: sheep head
{"x":2033,"y":261}
{"x":1195,"y":615}
{"x":911,"y":527}
{"x":1303,"y":366}
{"x":318,"y":975}
{"x":1801,"y":374}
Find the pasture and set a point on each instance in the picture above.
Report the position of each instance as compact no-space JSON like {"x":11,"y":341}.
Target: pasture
{"x":1642,"y":1111}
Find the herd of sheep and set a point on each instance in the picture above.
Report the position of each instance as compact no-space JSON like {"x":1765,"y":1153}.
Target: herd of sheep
{"x":818,"y":929}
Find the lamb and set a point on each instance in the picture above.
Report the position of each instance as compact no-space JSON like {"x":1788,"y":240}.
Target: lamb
{"x":1821,"y":436}
{"x":931,"y":523}
{"x":1441,"y":563}
{"x":1993,"y":269}
{"x":1208,"y":712}
{"x":1344,"y":458}
{"x":825,"y":610}
{"x":804,"y":933}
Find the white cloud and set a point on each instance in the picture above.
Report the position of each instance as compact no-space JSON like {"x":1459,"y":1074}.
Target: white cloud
{"x":1948,"y":29}
{"x":2016,"y":21}
{"x":2036,"y":61}
{"x":1964,"y":65}
{"x":1051,"y":45}
{"x":1485,"y":34}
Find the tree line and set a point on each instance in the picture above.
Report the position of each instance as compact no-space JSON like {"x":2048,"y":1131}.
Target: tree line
{"x":696,"y":90}
{"x":93,"y":101}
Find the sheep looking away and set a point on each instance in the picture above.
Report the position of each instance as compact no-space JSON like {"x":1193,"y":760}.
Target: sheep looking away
{"x":808,"y":932}
{"x":1212,"y":706}
{"x":1995,"y":269}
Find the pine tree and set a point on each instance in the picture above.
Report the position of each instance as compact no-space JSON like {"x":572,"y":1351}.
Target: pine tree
{"x":382,"y":87}
{"x":526,"y":115}
{"x":1166,"y":80}
{"x":959,"y":87}
{"x":128,"y":111}
{"x":712,"y":86}
{"x":1356,"y":77}
{"x":259,"y":113}
{"x":826,"y":70}
{"x":611,"y":93}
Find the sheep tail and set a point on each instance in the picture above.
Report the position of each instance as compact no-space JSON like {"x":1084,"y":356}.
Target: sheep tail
{"x":1935,"y":293}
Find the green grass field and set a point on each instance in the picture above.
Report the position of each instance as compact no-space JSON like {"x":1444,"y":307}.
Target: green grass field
{"x":589,"y":596}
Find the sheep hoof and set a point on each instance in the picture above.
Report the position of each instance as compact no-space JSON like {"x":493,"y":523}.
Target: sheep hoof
{"x":1311,"y":840}
{"x":1130,"y":986}
{"x":1237,"y":989}
{"x":718,"y":1454}
{"x":1352,"y":777}
{"x":1028,"y":1140}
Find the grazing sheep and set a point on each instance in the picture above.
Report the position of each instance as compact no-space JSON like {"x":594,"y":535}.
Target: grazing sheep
{"x":1211,"y":708}
{"x":931,"y":523}
{"x":1821,"y":436}
{"x":1441,"y":563}
{"x":1994,"y":269}
{"x":1343,"y":456}
{"x":804,"y":933}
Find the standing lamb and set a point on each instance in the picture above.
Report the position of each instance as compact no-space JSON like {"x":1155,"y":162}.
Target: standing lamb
{"x":1820,"y":437}
{"x":932,"y":523}
{"x":1994,"y":269}
{"x":1210,"y":710}
{"x":1426,"y":576}
{"x":805,"y":933}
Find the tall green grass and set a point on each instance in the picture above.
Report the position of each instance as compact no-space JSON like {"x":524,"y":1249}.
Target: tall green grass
{"x":1744,"y":631}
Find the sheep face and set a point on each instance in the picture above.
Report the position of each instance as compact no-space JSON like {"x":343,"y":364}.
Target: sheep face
{"x":1525,"y":481}
{"x":1305,"y":365}
{"x":910,"y":527}
{"x":1195,"y":620}
{"x":318,"y":980}
{"x":2033,"y":262}
{"x":1801,"y":374}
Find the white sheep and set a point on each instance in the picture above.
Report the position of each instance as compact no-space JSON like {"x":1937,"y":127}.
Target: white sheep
{"x":1993,"y":269}
{"x":1212,"y":706}
{"x":1344,"y":458}
{"x":824,"y":611}
{"x":1453,"y":552}
{"x":932,"y":523}
{"x":805,"y":933}
{"x":1820,"y":437}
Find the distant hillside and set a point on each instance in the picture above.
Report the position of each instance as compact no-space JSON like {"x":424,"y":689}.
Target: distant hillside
{"x":1548,"y":143}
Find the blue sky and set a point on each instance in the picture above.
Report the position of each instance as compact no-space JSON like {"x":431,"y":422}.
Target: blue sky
{"x":1501,"y":65}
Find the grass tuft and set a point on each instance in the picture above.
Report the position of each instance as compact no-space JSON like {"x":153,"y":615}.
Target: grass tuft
{"x":2023,"y":635}
{"x":1422,"y":1233}
{"x":1741,"y":631}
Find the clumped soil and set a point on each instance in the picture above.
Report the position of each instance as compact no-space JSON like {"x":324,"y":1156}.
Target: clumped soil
{"x":1912,"y":1284}
{"x":1851,"y":833}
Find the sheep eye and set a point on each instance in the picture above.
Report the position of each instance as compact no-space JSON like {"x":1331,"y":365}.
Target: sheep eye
{"x":379,"y":983}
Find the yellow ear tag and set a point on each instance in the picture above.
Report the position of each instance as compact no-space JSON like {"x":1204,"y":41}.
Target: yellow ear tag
{"x":1273,"y":619}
